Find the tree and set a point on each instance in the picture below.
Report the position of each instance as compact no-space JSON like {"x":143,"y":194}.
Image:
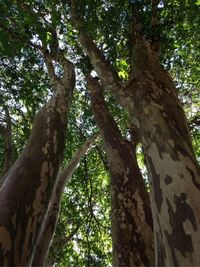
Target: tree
{"x":133,"y":73}
{"x":163,"y":131}
{"x":32,"y":177}
{"x":131,"y":219}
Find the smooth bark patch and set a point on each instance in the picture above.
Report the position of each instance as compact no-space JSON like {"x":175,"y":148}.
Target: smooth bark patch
{"x":156,"y":185}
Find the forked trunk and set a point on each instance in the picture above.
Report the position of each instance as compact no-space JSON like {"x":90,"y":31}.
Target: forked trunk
{"x":151,"y":100}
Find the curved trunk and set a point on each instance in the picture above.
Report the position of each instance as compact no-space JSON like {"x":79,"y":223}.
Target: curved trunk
{"x":26,"y":191}
{"x":132,"y":230}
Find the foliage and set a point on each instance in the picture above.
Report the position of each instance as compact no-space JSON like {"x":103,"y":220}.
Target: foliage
{"x":83,"y":235}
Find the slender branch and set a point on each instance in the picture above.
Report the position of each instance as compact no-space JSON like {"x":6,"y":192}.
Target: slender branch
{"x":65,"y":239}
{"x":50,"y":222}
{"x":18,"y":37}
{"x":155,"y":27}
{"x":103,"y":159}
{"x":154,"y":17}
{"x":90,"y":196}
{"x":35,"y":15}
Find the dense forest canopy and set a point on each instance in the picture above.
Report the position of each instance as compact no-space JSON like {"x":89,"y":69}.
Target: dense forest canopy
{"x":39,"y":43}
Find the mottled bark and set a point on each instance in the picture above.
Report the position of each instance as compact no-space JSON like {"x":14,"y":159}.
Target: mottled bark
{"x":132,"y":225}
{"x":151,"y":100}
{"x":104,"y":69}
{"x":173,"y":170}
{"x":51,"y":218}
{"x":25,"y":194}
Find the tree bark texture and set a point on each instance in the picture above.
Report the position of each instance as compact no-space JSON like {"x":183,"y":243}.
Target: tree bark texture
{"x":151,"y":100}
{"x":132,"y":225}
{"x":173,"y":170}
{"x":26,"y":191}
{"x":51,"y":218}
{"x":150,"y":97}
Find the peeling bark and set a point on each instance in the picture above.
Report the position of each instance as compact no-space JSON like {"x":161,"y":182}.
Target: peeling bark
{"x":172,"y":168}
{"x":132,"y":226}
{"x":151,"y":100}
{"x":25,"y":194}
{"x":50,"y":222}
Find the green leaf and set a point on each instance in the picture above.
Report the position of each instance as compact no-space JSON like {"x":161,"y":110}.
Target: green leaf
{"x":48,"y":37}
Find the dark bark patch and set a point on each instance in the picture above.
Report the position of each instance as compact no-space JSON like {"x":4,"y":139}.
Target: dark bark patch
{"x":168,"y":179}
{"x":184,"y":152}
{"x":197,"y":185}
{"x":178,"y":239}
{"x":160,"y":251}
{"x":156,"y":185}
{"x":181,"y":175}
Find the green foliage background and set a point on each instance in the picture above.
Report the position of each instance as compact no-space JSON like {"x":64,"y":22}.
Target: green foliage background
{"x":83,"y":235}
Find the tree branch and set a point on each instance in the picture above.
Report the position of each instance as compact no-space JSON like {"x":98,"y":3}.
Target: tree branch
{"x":104,"y":69}
{"x":155,"y":28}
{"x":50,"y":222}
{"x":65,"y":239}
{"x":50,"y":68}
{"x":18,"y":37}
{"x":67,"y":67}
{"x":103,"y":159}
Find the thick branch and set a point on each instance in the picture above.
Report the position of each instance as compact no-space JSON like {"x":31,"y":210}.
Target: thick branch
{"x":104,"y":69}
{"x":66,"y":65}
{"x":137,"y":25}
{"x":51,"y":71}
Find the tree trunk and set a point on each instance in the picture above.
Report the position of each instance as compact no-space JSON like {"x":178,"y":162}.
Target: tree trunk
{"x":174,"y":173}
{"x":132,"y":226}
{"x":51,"y":218}
{"x":26,"y":191}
